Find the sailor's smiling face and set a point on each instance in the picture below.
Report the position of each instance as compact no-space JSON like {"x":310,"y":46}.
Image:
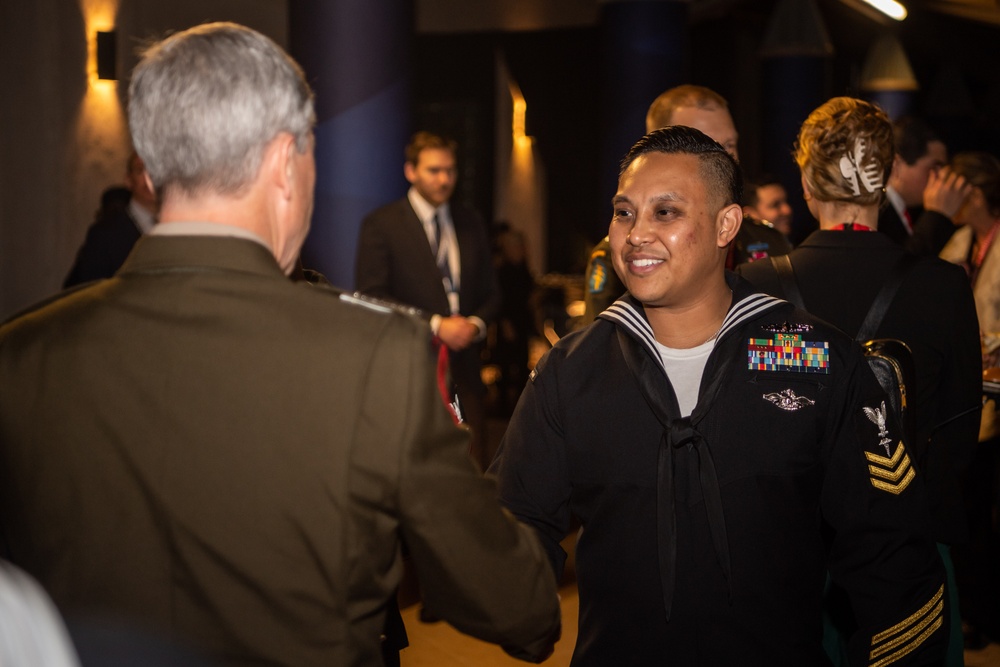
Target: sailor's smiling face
{"x":668,"y":236}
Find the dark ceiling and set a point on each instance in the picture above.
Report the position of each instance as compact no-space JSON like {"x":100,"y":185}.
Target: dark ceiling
{"x":953,"y":48}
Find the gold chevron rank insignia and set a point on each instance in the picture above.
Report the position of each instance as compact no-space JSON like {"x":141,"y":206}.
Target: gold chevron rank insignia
{"x":891,"y":474}
{"x":907,"y":635}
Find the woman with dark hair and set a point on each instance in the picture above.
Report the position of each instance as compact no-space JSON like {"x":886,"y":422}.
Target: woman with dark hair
{"x":972,"y":246}
{"x":976,"y":247}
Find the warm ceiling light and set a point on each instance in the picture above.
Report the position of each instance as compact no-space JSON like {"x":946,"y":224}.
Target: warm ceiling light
{"x":890,"y":8}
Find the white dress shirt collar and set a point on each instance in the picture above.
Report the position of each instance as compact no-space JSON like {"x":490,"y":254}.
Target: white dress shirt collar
{"x":897,"y":203}
{"x":425,"y":210}
{"x":143,"y":218}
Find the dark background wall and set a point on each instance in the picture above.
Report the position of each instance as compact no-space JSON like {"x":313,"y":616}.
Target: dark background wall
{"x":56,"y":156}
{"x":557,"y":73}
{"x":955,"y":60}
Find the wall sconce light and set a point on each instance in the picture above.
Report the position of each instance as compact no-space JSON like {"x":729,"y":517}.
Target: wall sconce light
{"x":519,"y":120}
{"x":107,"y":55}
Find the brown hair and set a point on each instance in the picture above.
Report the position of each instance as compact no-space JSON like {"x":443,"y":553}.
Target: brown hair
{"x":661,"y":111}
{"x":982,"y":170}
{"x":845,"y":151}
{"x":424,"y":140}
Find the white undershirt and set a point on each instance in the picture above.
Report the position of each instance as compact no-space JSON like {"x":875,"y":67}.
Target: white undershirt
{"x":685,"y":368}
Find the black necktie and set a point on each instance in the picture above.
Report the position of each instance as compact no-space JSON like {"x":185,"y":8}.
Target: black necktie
{"x":679,"y":433}
{"x":437,"y":234}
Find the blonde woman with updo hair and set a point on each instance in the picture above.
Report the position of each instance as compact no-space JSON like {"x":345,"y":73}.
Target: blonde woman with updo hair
{"x":845,"y":154}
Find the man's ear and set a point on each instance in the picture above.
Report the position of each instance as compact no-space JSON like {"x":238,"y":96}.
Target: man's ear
{"x":729,"y":220}
{"x":410,"y":171}
{"x":279,"y":160}
{"x":894,"y":173}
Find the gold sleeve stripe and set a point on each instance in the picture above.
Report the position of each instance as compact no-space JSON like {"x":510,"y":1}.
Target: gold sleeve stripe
{"x":890,"y":475}
{"x":909,"y":633}
{"x":885,"y":634}
{"x":909,"y":648}
{"x":887,"y":462}
{"x":920,"y":627}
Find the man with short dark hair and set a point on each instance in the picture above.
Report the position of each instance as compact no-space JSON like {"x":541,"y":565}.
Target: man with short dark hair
{"x":923,"y":193}
{"x":228,"y":457}
{"x":710,"y":440}
{"x":707,"y":111}
{"x":432,"y":253}
{"x":767,"y":202}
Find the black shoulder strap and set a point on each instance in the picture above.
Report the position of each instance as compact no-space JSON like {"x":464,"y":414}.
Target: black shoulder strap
{"x":885,"y":296}
{"x":786,"y":276}
{"x":790,"y":286}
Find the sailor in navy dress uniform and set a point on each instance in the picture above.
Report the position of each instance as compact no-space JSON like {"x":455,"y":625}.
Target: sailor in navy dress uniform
{"x":707,"y":533}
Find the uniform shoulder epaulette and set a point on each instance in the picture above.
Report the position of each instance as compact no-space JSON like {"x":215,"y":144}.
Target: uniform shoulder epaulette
{"x":48,"y":301}
{"x":379,"y":305}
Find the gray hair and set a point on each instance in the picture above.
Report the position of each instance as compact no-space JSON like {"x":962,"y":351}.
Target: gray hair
{"x":204,"y":103}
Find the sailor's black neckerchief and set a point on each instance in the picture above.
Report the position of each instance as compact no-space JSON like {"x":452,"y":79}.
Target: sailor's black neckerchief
{"x":635,"y":336}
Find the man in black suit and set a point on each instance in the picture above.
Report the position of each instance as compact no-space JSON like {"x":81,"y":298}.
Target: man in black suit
{"x":434,"y":254}
{"x":116,"y":228}
{"x":923,"y":194}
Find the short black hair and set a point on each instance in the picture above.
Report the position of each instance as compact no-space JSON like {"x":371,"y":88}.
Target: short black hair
{"x":911,"y":137}
{"x":751,"y":186}
{"x":718,"y":167}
